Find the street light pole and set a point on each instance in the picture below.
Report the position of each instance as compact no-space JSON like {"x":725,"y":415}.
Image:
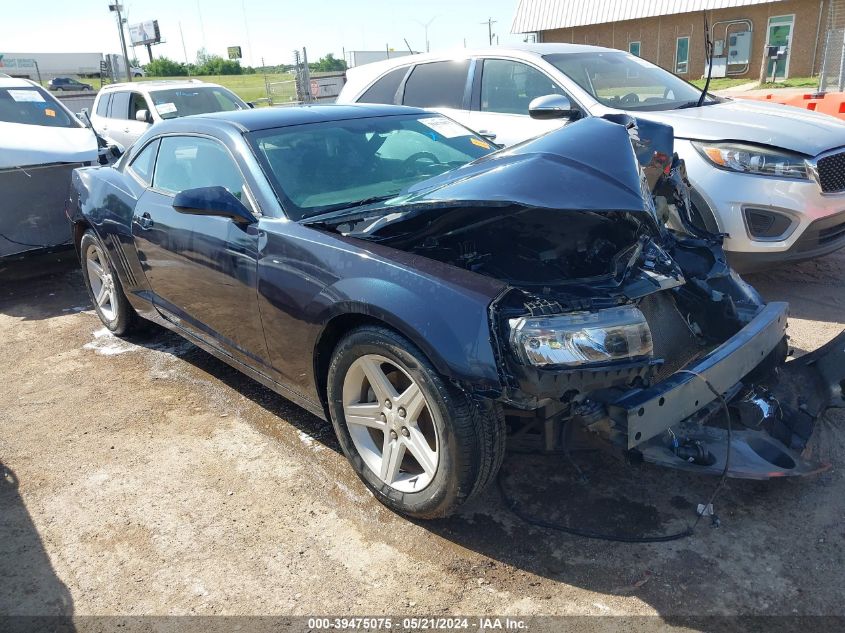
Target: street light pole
{"x":117,"y":8}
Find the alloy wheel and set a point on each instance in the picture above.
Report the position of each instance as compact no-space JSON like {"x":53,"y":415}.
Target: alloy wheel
{"x":390,"y":423}
{"x":102,"y":282}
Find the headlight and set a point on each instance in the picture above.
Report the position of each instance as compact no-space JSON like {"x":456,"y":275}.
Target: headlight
{"x":582,"y":338}
{"x":752,"y":159}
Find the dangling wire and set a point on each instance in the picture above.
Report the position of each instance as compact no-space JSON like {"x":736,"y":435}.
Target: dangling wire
{"x":513,"y":506}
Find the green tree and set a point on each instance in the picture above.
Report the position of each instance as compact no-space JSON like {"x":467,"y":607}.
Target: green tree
{"x":328,"y":64}
{"x":215,"y":65}
{"x":164,"y":67}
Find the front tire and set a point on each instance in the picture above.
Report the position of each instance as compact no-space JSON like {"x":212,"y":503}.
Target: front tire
{"x":421,"y":445}
{"x":104,"y":287}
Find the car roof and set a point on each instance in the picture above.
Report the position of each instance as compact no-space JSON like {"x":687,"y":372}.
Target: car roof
{"x":14,"y":82}
{"x":359,"y":78}
{"x":158,"y":84}
{"x":269,"y":118}
{"x":524,"y":51}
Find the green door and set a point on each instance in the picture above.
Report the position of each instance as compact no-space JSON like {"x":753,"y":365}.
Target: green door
{"x":780,"y":34}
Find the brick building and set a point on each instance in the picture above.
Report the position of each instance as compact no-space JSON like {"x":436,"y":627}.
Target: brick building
{"x":670,"y":33}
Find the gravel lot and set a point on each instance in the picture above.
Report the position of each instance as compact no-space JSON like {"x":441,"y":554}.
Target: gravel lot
{"x":146,"y":477}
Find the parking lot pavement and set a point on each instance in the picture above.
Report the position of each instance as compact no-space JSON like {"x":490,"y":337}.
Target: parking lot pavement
{"x":146,"y":477}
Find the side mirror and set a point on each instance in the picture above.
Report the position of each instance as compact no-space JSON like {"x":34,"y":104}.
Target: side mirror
{"x":551,"y":107}
{"x":251,"y":104}
{"x":217,"y":201}
{"x":143,"y":116}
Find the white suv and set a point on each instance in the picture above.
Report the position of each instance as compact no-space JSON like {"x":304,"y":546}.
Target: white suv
{"x":123,"y":112}
{"x":770,"y":177}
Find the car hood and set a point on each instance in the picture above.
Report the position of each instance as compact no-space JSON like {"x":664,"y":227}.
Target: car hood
{"x":759,"y":122}
{"x":587,"y":166}
{"x":23,"y":145}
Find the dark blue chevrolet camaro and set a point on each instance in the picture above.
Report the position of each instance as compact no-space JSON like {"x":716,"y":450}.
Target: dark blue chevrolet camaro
{"x":391,"y":271}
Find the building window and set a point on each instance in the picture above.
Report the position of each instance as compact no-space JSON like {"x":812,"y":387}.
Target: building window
{"x":682,"y":56}
{"x":634,"y":48}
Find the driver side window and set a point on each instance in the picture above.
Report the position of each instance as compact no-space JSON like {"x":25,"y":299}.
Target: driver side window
{"x":509,"y":86}
{"x":136,"y":103}
{"x":190,"y":162}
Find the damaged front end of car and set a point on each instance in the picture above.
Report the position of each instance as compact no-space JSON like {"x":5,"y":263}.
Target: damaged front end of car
{"x":621,"y":323}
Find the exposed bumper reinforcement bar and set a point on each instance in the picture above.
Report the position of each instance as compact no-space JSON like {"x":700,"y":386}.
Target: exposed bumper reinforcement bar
{"x":646,"y":413}
{"x":781,"y":445}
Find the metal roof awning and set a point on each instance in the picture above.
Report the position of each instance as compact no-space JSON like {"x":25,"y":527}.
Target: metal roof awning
{"x":544,"y":15}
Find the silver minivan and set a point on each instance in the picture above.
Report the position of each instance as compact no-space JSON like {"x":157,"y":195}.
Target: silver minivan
{"x":771,"y":177}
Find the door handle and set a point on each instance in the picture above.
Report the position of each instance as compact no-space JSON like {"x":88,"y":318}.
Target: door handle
{"x":488,"y":134}
{"x":145,"y":221}
{"x":126,"y":130}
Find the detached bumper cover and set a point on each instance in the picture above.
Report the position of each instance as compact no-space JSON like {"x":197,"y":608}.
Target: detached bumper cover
{"x":33,"y":216}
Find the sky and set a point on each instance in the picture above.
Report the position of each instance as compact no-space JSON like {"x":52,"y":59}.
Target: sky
{"x":263,"y":28}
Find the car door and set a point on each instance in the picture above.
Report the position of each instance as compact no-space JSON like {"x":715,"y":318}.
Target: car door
{"x":502,"y":90}
{"x":122,"y":126}
{"x":441,"y":86}
{"x":113,"y":124}
{"x":201,"y":268}
{"x":100,"y":114}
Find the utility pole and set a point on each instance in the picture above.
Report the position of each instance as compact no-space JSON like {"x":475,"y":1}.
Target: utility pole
{"x":490,"y":22}
{"x":117,"y":8}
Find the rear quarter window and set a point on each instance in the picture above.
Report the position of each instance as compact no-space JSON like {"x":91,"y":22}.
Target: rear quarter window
{"x":103,"y":105}
{"x":437,"y":85}
{"x":384,"y":90}
{"x":142,"y":165}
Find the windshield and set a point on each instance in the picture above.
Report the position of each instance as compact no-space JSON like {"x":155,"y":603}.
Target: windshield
{"x":323,"y":167}
{"x":178,"y":102}
{"x":33,"y":106}
{"x":623,"y":81}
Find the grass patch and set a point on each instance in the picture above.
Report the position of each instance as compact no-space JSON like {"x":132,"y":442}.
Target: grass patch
{"x":720,"y":83}
{"x":723,"y":83}
{"x":794,"y":82}
{"x":247,"y":87}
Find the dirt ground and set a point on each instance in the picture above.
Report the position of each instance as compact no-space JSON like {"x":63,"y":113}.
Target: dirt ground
{"x":146,"y":477}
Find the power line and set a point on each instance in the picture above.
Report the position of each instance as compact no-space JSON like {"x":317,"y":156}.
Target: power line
{"x":246,"y":28}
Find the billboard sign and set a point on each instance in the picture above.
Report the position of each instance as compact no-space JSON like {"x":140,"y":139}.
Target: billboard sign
{"x":144,"y":33}
{"x":234,"y":52}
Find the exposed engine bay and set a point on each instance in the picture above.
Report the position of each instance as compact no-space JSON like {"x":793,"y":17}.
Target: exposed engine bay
{"x":541,"y":250}
{"x":622,"y":323}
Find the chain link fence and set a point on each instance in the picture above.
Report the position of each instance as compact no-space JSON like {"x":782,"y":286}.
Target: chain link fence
{"x":832,"y":69}
{"x":306,"y":86}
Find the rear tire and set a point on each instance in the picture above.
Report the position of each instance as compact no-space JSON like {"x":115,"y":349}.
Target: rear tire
{"x":104,"y":287}
{"x":420,"y":444}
